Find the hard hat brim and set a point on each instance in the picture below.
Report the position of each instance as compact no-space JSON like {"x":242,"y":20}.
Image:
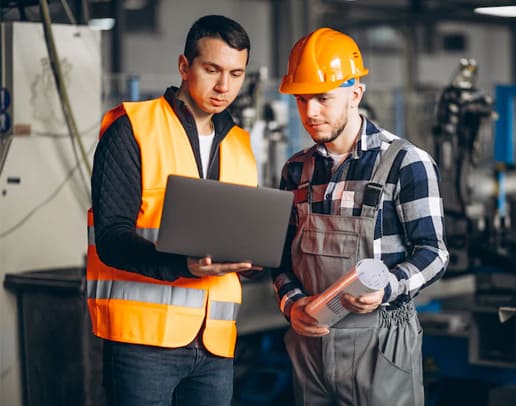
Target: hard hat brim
{"x":287,"y":87}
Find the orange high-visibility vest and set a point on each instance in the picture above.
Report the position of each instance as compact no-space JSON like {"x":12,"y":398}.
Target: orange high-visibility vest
{"x":128,"y":307}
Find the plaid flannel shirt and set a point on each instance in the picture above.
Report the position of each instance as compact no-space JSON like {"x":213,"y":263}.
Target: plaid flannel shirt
{"x":409,"y":232}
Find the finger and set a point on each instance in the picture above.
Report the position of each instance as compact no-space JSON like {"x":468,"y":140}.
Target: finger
{"x":205,"y":261}
{"x":233,"y":267}
{"x":349,"y":302}
{"x":366,"y":300}
{"x":252,"y":268}
{"x":355,"y":306}
{"x":207,"y":267}
{"x":366,"y":309}
{"x":257,"y":268}
{"x":315,"y":331}
{"x":369,"y":300}
{"x":346,"y":297}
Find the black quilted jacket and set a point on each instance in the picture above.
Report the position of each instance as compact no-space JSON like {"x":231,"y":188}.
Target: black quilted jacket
{"x":116,"y":195}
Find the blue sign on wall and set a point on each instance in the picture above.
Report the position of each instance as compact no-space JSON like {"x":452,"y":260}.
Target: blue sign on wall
{"x":5,"y":99}
{"x":5,"y":122}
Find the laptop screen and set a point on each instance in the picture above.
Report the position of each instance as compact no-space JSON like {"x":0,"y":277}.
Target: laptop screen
{"x":228,"y":222}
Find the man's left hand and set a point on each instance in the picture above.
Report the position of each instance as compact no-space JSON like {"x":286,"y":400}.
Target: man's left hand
{"x":362,"y":304}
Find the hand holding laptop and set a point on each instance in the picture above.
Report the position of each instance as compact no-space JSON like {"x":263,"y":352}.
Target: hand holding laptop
{"x":206,"y":267}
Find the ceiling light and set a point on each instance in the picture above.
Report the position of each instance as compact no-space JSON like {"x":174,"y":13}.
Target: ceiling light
{"x":102,"y":24}
{"x":101,"y":15}
{"x":500,"y":11}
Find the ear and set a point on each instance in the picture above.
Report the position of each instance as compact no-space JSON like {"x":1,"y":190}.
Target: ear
{"x":358,"y":93}
{"x":183,"y":66}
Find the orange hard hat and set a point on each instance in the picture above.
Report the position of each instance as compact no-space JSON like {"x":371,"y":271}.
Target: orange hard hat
{"x":322,"y":61}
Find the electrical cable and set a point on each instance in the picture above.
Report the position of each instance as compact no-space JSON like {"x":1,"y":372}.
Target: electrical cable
{"x":95,"y":127}
{"x":68,"y":12}
{"x":61,"y":88}
{"x":47,"y":200}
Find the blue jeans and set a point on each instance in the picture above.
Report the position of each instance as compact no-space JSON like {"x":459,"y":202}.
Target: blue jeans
{"x":139,"y":375}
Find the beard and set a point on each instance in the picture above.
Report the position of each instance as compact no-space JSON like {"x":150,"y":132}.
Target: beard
{"x":334,"y":134}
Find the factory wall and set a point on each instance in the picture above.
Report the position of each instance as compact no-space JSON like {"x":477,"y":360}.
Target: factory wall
{"x":154,"y":55}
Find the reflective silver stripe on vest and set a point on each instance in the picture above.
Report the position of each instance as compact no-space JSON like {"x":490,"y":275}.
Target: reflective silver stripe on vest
{"x":91,"y":235}
{"x":146,"y":292}
{"x":150,"y":234}
{"x":223,"y":310}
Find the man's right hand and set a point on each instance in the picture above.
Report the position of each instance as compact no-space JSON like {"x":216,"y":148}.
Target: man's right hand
{"x":206,"y":267}
{"x":304,"y":324}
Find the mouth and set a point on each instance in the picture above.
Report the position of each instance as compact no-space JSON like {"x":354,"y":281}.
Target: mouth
{"x":315,"y":125}
{"x":217,"y":102}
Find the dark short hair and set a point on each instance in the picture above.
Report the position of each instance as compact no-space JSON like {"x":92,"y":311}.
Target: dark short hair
{"x":216,"y":26}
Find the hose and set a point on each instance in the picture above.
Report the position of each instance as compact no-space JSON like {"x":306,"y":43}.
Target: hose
{"x":61,"y":87}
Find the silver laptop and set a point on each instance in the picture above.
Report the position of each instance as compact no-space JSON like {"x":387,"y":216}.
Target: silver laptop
{"x":228,"y":222}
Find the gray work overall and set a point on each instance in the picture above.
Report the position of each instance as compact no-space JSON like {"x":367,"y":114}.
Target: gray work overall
{"x":369,"y":359}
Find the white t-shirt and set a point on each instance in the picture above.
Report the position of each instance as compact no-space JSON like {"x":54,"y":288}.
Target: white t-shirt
{"x":205,"y":142}
{"x":338,"y":158}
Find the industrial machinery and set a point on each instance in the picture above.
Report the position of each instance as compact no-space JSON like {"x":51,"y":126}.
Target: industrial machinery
{"x":465,"y":339}
{"x":461,"y":111}
{"x":477,"y":182}
{"x":266,"y":119}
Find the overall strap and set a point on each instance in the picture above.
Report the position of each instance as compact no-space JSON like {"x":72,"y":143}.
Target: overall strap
{"x":374,"y":189}
{"x":303,"y":192}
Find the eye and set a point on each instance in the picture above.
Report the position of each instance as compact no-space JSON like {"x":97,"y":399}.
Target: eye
{"x":323,"y":98}
{"x":300,"y":99}
{"x":237,"y":73}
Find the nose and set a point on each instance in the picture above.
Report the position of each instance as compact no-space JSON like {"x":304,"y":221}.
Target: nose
{"x":222,"y":85}
{"x":312,"y":108}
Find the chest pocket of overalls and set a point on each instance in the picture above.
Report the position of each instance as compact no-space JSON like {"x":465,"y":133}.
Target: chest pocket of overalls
{"x":339,"y":244}
{"x":328,"y":246}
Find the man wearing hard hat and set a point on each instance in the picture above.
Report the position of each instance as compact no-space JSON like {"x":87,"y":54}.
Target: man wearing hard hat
{"x":360,"y":192}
